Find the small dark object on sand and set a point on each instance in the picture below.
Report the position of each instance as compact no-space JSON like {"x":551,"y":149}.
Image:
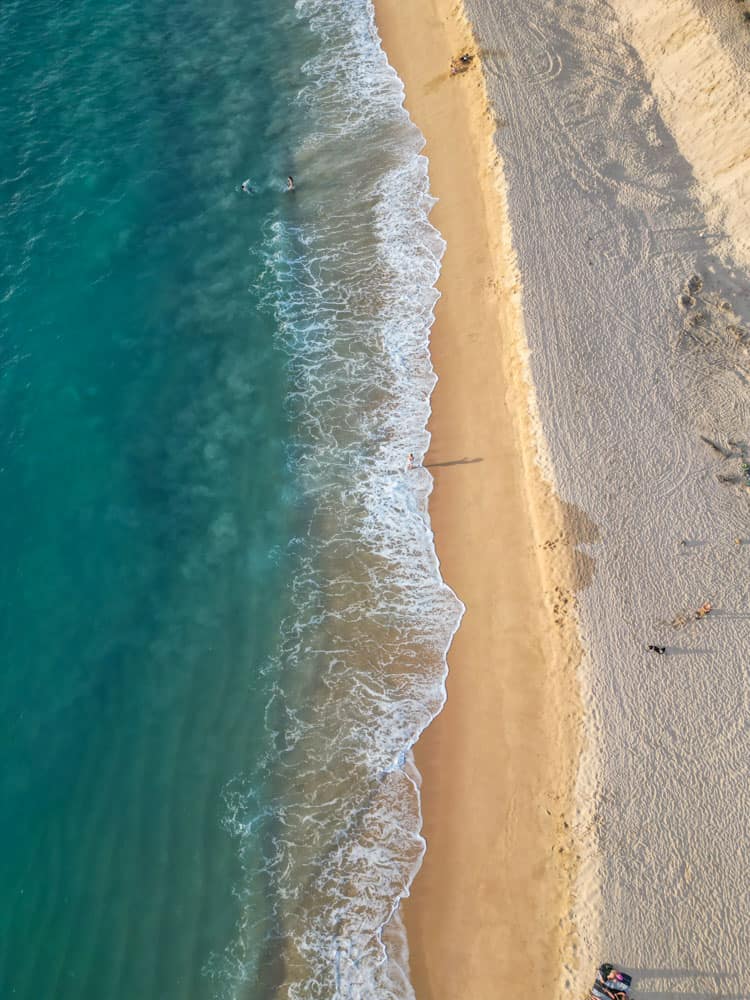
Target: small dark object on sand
{"x":657,"y":649}
{"x":461,"y":63}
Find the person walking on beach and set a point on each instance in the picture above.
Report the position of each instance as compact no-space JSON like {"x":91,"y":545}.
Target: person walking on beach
{"x":409,"y":462}
{"x":290,"y":183}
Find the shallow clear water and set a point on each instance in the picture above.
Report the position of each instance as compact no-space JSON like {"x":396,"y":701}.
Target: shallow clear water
{"x":223,"y":625}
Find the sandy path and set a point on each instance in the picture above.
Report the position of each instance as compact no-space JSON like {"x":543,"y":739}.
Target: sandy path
{"x":608,"y":224}
{"x":485,"y":913}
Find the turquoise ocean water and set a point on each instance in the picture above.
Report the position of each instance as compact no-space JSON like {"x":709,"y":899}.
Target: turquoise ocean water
{"x":222,"y":622}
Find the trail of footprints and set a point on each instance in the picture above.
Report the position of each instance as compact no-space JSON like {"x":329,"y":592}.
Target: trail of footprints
{"x":709,"y":322}
{"x":712,"y":329}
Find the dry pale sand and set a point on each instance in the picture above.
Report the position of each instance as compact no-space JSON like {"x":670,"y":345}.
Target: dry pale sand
{"x":697,"y":64}
{"x":636,"y":309}
{"x":486,"y":912}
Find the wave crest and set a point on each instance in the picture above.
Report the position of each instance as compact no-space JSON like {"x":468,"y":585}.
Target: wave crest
{"x":329,"y":821}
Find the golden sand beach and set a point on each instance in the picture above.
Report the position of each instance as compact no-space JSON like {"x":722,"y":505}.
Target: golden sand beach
{"x":487,"y":907}
{"x":603,"y":262}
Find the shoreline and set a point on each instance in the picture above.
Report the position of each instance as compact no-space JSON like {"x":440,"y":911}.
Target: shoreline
{"x":492,"y":901}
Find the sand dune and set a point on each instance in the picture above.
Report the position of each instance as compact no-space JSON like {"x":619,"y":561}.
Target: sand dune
{"x":698,"y":65}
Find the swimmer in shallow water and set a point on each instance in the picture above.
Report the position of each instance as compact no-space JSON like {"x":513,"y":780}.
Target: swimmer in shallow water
{"x":247,"y":187}
{"x":290,"y":183}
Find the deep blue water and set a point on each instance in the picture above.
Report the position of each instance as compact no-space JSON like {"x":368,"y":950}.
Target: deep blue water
{"x":197,"y":387}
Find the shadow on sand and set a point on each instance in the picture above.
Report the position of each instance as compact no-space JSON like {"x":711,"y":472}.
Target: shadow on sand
{"x":457,"y":461}
{"x":670,"y":981}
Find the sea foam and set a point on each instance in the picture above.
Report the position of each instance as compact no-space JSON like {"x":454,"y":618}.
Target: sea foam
{"x":329,"y":822}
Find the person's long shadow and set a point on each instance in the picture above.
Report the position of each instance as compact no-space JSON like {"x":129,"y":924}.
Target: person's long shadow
{"x":688,"y":651}
{"x":668,"y":976}
{"x":675,"y":995}
{"x":457,"y":461}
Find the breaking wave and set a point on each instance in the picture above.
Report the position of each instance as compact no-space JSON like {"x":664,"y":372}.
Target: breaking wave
{"x":329,"y":820}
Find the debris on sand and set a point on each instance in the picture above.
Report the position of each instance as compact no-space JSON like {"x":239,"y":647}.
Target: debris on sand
{"x":459,"y":64}
{"x":716,"y":447}
{"x":686,"y":301}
